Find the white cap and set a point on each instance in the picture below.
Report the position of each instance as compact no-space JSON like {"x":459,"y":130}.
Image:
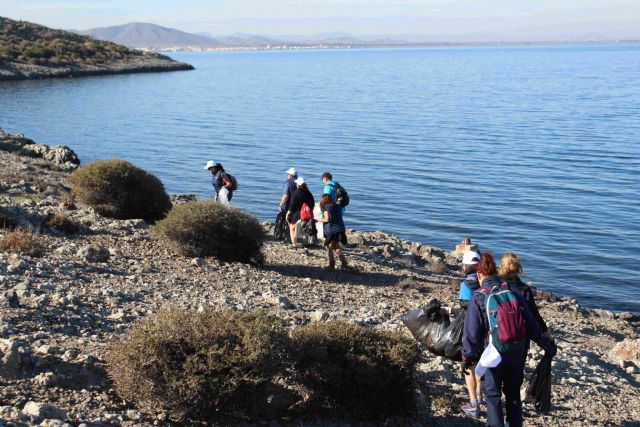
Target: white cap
{"x":471,"y":258}
{"x":210,"y":164}
{"x":291,"y":171}
{"x":299,"y":181}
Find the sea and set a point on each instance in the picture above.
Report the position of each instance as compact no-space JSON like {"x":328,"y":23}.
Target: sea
{"x":530,"y":149}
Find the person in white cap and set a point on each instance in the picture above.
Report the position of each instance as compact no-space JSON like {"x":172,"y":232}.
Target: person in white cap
{"x":300,"y":208}
{"x":469,"y":285}
{"x":223,"y":183}
{"x":289,"y":187}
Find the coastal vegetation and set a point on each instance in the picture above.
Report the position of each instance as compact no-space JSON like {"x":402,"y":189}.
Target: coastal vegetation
{"x":117,"y":189}
{"x":207,"y":228}
{"x":29,"y":50}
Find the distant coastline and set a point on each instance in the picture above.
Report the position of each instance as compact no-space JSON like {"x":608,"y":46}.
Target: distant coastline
{"x":386,"y":46}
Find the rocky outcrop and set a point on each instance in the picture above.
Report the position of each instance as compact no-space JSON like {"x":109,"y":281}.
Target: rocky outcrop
{"x":59,"y":155}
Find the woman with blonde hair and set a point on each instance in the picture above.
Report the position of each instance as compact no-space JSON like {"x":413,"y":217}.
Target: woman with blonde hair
{"x":511,"y":270}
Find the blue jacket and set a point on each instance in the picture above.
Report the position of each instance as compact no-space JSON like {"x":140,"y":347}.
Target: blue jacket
{"x":476,"y":324}
{"x":468,"y":286}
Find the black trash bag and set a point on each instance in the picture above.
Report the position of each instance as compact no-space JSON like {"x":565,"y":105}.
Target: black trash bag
{"x":280,"y":229}
{"x":450,"y":344}
{"x":539,"y":388}
{"x":427,"y":324}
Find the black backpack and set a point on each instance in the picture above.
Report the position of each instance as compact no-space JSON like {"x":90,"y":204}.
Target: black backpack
{"x":234,"y":181}
{"x":342,"y":197}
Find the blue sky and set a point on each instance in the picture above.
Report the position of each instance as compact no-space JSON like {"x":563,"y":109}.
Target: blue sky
{"x":443,"y":18}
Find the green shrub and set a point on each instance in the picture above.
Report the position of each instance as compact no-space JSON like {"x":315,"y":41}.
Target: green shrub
{"x":356,"y":371}
{"x":116,"y":188}
{"x":199,"y":366}
{"x":207,"y":228}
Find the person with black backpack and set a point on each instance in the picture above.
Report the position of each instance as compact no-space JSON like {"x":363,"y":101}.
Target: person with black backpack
{"x":300,"y":208}
{"x":336,"y":191}
{"x":224,"y":184}
{"x":499,"y":321}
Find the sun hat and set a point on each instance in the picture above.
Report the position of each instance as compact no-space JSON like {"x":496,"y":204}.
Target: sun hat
{"x":210,"y":164}
{"x":299,"y":181}
{"x":471,"y":258}
{"x":291,"y":171}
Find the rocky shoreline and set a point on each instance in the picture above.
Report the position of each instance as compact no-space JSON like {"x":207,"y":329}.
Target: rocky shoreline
{"x":59,"y":311}
{"x":146,"y":62}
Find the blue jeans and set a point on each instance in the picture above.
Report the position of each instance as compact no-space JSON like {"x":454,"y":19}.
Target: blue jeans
{"x":505,"y":378}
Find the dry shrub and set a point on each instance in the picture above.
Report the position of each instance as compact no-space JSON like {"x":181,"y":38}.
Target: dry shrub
{"x":7,"y":220}
{"x":207,"y":228}
{"x":116,"y":188}
{"x":22,"y":241}
{"x":62,"y":222}
{"x":356,"y":371}
{"x":199,"y":366}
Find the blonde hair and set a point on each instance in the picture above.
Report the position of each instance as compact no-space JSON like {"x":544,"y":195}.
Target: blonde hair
{"x":510,"y":265}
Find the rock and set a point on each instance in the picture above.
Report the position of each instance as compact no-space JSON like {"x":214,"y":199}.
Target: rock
{"x":632,"y":369}
{"x":319,"y":316}
{"x":626,"y":351}
{"x":17,"y":267}
{"x":46,"y":350}
{"x":628,"y":317}
{"x":43,"y":410}
{"x":10,"y":353}
{"x":94,"y":253}
{"x":10,"y":298}
{"x":46,"y":379}
{"x":280,"y":300}
{"x":198,"y":262}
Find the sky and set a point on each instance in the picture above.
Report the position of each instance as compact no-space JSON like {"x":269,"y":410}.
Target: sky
{"x":452,"y":20}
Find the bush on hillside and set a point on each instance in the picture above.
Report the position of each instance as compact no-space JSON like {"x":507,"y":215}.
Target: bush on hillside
{"x":115,"y":188}
{"x":199,"y":365}
{"x":22,"y":241}
{"x":62,"y":222}
{"x":356,"y":371}
{"x":207,"y":228}
{"x":6,"y":219}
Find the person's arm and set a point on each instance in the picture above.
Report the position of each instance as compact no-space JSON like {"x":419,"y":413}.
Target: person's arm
{"x":533,"y":328}
{"x":473,"y":335}
{"x":285,"y":194}
{"x":533,"y":307}
{"x":226,"y":181}
{"x":325,"y":217}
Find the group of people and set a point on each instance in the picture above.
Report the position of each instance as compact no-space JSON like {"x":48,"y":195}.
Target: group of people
{"x":298,"y":204}
{"x":501,"y":313}
{"x":501,"y":319}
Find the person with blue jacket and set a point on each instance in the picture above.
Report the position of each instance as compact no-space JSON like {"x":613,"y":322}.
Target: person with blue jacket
{"x":469,"y":285}
{"x":508,"y":375}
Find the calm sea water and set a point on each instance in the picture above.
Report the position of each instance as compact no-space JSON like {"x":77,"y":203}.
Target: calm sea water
{"x":529,"y":149}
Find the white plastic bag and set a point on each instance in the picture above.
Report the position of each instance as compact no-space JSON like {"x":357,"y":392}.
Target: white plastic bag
{"x":490,"y":359}
{"x":223,"y":196}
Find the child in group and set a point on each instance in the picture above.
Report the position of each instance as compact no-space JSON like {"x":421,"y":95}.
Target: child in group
{"x":467,"y":286}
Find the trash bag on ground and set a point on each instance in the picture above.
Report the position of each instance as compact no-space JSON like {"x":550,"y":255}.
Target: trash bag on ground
{"x":539,"y":388}
{"x":435,"y":331}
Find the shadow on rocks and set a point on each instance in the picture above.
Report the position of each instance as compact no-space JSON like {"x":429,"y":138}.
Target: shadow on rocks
{"x":339,"y":276}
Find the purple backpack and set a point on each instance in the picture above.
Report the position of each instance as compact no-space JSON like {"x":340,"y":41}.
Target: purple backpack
{"x":507,"y":327}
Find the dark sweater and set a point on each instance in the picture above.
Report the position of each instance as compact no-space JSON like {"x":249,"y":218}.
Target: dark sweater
{"x":518,"y":286}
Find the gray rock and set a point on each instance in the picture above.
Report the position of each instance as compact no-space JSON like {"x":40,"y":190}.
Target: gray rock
{"x":9,"y":350}
{"x":17,"y":267}
{"x":198,"y":262}
{"x":319,"y":316}
{"x":46,"y":379}
{"x":43,"y":410}
{"x":94,"y":253}
{"x":10,"y":298}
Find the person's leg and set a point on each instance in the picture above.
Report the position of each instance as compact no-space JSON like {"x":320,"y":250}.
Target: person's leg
{"x":471,"y":407}
{"x":332,"y":260}
{"x":293,"y":234}
{"x":478,"y":386}
{"x":343,"y":259}
{"x":492,"y":387}
{"x":514,"y":375}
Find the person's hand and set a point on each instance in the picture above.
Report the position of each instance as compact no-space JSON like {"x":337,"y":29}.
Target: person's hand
{"x":467,"y":366}
{"x":548,"y":335}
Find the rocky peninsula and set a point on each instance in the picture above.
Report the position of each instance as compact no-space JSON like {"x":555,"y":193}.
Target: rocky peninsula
{"x":32,"y":51}
{"x":62,"y":305}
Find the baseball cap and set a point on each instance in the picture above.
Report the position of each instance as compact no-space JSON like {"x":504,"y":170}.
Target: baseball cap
{"x":210,"y":164}
{"x":299,"y":181}
{"x":471,"y":258}
{"x":291,"y":171}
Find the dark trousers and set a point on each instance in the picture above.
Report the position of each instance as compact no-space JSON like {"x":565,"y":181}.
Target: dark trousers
{"x":505,"y":378}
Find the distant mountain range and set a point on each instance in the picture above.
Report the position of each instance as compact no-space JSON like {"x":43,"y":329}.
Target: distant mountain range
{"x":156,"y":37}
{"x":152,"y":36}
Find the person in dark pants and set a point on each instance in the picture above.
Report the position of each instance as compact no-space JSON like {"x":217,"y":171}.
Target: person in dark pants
{"x":507,"y":376}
